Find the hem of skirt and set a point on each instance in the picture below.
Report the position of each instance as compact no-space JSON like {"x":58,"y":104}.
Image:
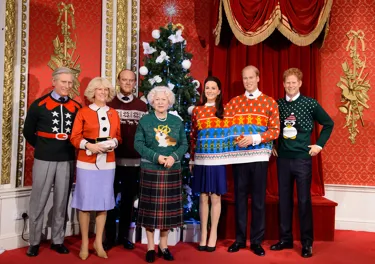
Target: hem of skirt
{"x":204,"y":191}
{"x":160,"y":227}
{"x":92,"y":209}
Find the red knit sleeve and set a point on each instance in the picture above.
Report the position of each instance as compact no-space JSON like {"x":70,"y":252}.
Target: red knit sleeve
{"x":77,"y":131}
{"x":273,"y":125}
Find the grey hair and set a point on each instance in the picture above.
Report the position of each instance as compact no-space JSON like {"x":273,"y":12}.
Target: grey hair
{"x":164,"y":89}
{"x":61,"y":70}
{"x":99,"y":82}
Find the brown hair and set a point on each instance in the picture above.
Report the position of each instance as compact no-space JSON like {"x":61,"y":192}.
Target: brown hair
{"x":293,"y":71}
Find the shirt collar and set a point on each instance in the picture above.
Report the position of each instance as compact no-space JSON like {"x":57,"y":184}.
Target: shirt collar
{"x":209,"y":104}
{"x":254,"y":94}
{"x":96,"y":108}
{"x":293,"y":99}
{"x":56,"y":96}
{"x":120,"y":95}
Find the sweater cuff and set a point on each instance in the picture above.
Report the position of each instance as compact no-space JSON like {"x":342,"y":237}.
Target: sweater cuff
{"x":319,"y":147}
{"x":155,"y":158}
{"x":256,"y":139}
{"x":116,"y":142}
{"x":82,"y":144}
{"x":175,"y":156}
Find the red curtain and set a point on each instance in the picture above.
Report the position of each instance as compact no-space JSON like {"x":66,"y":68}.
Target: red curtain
{"x":272,"y":57}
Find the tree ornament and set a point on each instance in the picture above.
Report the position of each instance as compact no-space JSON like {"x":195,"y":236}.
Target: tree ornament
{"x":190,"y":109}
{"x":186,"y":64}
{"x":156,"y":34}
{"x":143,"y":70}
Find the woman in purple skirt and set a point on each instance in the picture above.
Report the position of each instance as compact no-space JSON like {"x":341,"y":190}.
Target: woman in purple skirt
{"x":207,"y":138}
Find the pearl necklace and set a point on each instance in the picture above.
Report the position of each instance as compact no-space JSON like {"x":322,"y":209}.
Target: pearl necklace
{"x":161,"y":119}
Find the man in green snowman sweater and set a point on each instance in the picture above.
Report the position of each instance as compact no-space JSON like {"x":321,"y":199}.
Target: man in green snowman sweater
{"x":294,"y":151}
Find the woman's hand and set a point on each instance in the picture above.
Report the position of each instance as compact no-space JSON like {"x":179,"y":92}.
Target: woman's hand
{"x":95,"y":148}
{"x":162,"y":159}
{"x":169,"y":162}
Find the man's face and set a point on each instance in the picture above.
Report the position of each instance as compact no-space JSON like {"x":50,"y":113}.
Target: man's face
{"x":63,"y":84}
{"x":126,"y":82}
{"x":250,"y":80}
{"x":292,"y":85}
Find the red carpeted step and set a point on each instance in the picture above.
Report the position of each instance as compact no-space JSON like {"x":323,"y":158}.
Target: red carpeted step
{"x":323,"y":213}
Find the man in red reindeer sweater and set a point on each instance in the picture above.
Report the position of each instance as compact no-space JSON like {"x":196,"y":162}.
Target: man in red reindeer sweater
{"x":130,"y":110}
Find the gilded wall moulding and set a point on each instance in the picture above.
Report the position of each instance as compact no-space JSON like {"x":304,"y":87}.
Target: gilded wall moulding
{"x":354,"y":84}
{"x":63,"y":54}
{"x":9,"y":59}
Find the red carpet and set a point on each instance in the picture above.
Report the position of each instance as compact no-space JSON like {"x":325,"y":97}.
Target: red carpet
{"x":348,"y":247}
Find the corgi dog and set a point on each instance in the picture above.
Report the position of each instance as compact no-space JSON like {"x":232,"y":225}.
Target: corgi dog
{"x":161,"y":135}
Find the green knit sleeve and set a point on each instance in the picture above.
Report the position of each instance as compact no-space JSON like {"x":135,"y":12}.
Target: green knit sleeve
{"x":140,"y":145}
{"x":183,"y":145}
{"x":321,"y":116}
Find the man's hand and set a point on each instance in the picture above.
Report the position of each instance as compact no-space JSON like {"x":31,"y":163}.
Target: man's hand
{"x":314,"y":150}
{"x":274,"y":151}
{"x":191,"y":167}
{"x":245,"y":141}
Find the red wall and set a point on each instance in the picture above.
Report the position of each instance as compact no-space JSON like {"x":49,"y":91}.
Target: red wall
{"x":194,"y":16}
{"x":43,"y":29}
{"x":344,"y":162}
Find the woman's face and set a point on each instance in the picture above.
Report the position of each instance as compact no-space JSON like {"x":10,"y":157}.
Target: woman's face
{"x":211,"y":91}
{"x":101,"y":95}
{"x":161,"y":102}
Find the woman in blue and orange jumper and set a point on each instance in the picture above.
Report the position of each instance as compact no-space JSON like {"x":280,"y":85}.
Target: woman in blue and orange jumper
{"x":207,"y":137}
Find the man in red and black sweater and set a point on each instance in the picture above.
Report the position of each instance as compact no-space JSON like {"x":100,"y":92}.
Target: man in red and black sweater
{"x":130,"y":110}
{"x":47,"y":128}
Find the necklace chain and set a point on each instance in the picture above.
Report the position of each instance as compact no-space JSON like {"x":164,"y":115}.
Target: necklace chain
{"x":161,"y":119}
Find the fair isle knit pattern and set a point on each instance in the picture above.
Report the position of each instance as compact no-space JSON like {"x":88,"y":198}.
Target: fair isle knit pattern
{"x":207,"y":136}
{"x":216,"y":139}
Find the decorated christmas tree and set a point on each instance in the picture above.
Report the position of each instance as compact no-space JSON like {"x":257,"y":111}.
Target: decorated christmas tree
{"x":167,"y":63}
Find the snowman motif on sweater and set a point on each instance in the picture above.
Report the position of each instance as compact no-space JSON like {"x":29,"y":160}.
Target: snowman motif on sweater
{"x":289,"y":130}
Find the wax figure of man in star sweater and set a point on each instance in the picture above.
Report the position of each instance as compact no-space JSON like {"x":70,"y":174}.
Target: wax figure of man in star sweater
{"x":130,"y":110}
{"x":294,"y":150}
{"x":47,"y":128}
{"x":254,"y":123}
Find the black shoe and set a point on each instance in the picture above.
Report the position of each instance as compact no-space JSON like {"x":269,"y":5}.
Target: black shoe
{"x":202,"y":248}
{"x":33,"y":251}
{"x":127,"y":244}
{"x":211,"y":249}
{"x":281,"y":245}
{"x":236,"y":247}
{"x":165,"y":253}
{"x":306,"y":251}
{"x":150,"y":256}
{"x":257,"y":249}
{"x":59,"y":248}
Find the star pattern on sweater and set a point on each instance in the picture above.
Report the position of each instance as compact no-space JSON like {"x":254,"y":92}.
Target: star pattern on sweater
{"x":54,"y":113}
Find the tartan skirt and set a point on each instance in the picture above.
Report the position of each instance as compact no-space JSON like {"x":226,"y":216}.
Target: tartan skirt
{"x":160,"y":199}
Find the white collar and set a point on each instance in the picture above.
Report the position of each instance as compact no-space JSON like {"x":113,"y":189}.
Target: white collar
{"x":287,"y":98}
{"x":254,"y":94}
{"x":209,"y":104}
{"x":96,"y":108}
{"x":120,"y":95}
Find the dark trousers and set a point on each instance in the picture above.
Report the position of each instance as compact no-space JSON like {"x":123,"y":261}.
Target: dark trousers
{"x":250,"y":178}
{"x":288,"y":171}
{"x":126,"y":184}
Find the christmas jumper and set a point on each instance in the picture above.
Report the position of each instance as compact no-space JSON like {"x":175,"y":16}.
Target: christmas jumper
{"x":48,"y":127}
{"x":297,"y":122}
{"x":207,"y":136}
{"x":155,"y":137}
{"x":130,"y":112}
{"x":246,"y":116}
{"x":93,"y":122}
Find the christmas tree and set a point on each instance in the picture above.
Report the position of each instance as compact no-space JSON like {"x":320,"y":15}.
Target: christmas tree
{"x":167,"y":63}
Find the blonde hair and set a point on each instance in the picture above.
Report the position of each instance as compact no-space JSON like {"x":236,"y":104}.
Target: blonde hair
{"x":293,"y":71}
{"x":161,"y":89}
{"x":99,"y":82}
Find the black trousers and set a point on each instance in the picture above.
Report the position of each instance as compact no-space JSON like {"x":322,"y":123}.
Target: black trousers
{"x":125,"y":183}
{"x":250,"y":178}
{"x":300,"y":171}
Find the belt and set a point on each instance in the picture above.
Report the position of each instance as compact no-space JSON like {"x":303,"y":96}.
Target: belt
{"x":96,"y":140}
{"x":58,"y":136}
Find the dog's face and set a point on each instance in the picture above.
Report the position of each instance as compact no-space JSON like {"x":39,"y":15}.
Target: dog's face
{"x":159,"y":133}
